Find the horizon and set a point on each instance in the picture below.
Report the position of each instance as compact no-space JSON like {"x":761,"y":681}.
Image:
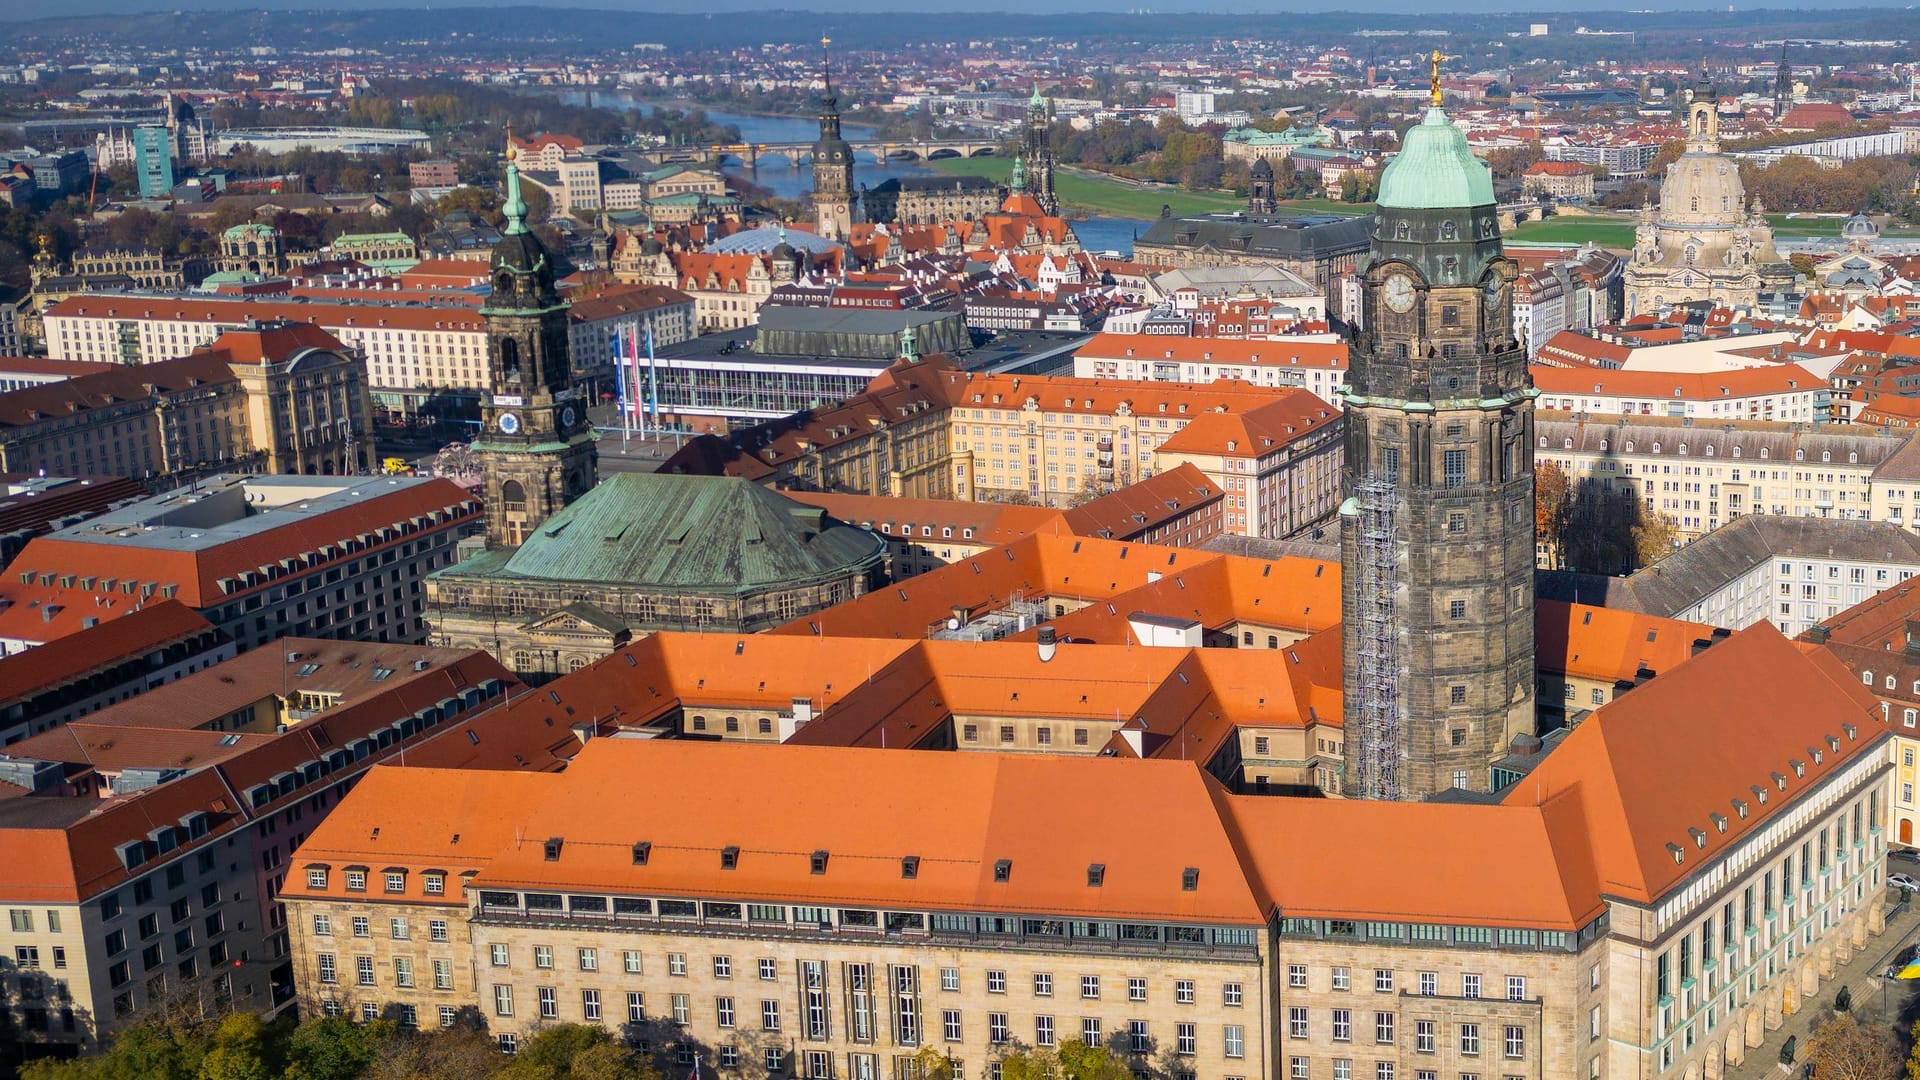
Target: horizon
{"x":1051,"y":8}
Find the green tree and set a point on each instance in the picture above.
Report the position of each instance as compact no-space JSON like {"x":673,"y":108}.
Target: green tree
{"x":585,"y":1051}
{"x":242,"y":1048}
{"x":335,"y":1048}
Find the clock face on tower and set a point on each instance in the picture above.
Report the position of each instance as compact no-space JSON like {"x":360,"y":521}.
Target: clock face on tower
{"x":567,"y":417}
{"x":1398,"y":292}
{"x":509,"y":423}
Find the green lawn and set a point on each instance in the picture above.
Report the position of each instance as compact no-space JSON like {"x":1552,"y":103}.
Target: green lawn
{"x":1573,"y":229}
{"x":1097,"y":195}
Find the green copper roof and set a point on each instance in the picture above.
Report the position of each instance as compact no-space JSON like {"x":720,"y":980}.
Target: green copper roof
{"x":710,"y":535}
{"x":1435,"y":170}
{"x":1018,"y":182}
{"x":515,"y":207}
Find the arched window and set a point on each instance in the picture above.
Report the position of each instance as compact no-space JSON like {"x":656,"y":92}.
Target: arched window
{"x":513,"y":496}
{"x":1799,"y":455}
{"x":1853,"y":458}
{"x":1629,"y":446}
{"x":1866,"y":678}
{"x":1696,"y":206}
{"x":1656,"y":446}
{"x":510,"y":360}
{"x":1736,"y":451}
{"x":1826,"y":455}
{"x":1763,"y":453}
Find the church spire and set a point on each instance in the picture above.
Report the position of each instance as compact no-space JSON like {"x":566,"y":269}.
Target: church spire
{"x":1018,"y":183}
{"x":515,"y":208}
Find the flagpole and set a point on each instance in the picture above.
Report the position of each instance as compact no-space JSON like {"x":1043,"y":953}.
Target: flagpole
{"x":653,"y":381}
{"x":620,"y":373}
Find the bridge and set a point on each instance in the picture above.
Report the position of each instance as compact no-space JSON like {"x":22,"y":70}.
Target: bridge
{"x":749,"y":154}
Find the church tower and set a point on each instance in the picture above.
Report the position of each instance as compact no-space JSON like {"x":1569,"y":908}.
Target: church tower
{"x":832,"y":165}
{"x":535,"y":444}
{"x":1436,"y":539}
{"x":1036,"y":149}
{"x":1260,"y":198}
{"x":1782,"y":85}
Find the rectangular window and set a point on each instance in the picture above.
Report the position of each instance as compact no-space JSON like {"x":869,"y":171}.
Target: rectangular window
{"x":363,"y":970}
{"x":1469,"y":985}
{"x":769,"y":1016}
{"x":1090,"y":987}
{"x":589,"y":959}
{"x":1516,"y":988}
{"x":1297,"y":976}
{"x":1382,"y":980}
{"x":543,"y":956}
{"x":1516,"y":1041}
{"x":1043,"y":1031}
{"x":1090,"y":1030}
{"x":1137,"y":1038}
{"x":1297,"y":1069}
{"x":499,"y":956}
{"x":950,"y":1024}
{"x":402,"y":971}
{"x":1296,"y":1022}
{"x":636,"y":1007}
{"x":1042,"y":984}
{"x":590,"y":1004}
{"x":1183,"y":1039}
{"x":1429,"y":983}
{"x":1470,"y":1039}
{"x":328,"y":974}
{"x":1136,"y":989}
{"x":443,"y":974}
{"x":1342,"y":1025}
{"x":1383,"y":1028}
{"x":949,"y":979}
{"x":723,"y":1011}
{"x":1341,"y":981}
{"x":549,"y":1003}
{"x":630,"y":960}
{"x":997,"y":1032}
{"x":723,"y":967}
{"x":1454,"y":468}
{"x":1235,"y":1041}
{"x":996,"y":982}
{"x":1423,"y":1036}
{"x":682,"y":1009}
{"x":502,"y":999}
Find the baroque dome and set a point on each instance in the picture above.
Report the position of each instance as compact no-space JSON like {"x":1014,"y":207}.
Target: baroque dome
{"x":1702,"y":191}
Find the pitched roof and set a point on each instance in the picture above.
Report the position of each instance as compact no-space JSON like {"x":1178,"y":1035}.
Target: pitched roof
{"x":1651,"y":770}
{"x":37,"y":404}
{"x":102,"y":646}
{"x":833,"y":800}
{"x":705,"y":534}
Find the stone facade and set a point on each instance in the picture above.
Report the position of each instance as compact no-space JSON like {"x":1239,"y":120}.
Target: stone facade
{"x":1705,"y":243}
{"x":931,"y":200}
{"x":1437,"y":543}
{"x":536,"y":444}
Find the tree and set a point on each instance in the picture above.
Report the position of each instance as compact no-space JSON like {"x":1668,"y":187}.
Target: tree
{"x":585,"y":1051}
{"x":335,"y":1048}
{"x":243,"y":1049}
{"x":1843,"y":1048}
{"x":1654,"y":538}
{"x":1080,"y":1061}
{"x":1552,"y":499}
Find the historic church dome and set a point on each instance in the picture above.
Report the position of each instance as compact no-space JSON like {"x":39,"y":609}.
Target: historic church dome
{"x":1702,"y":191}
{"x":1435,"y":170}
{"x":1860,"y":227}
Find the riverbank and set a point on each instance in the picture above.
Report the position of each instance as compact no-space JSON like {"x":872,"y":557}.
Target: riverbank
{"x":1098,"y":195}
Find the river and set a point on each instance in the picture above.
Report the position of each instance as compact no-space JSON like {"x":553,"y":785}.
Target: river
{"x":788,"y":181}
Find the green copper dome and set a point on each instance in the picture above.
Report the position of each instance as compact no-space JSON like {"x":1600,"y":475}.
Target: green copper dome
{"x":1435,"y":170}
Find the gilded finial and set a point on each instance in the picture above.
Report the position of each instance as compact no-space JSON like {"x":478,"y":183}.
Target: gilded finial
{"x":512,"y":152}
{"x":1436,"y":58}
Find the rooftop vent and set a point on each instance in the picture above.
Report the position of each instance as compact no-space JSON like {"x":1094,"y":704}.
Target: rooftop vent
{"x":1096,"y":875}
{"x":1190,"y":879}
{"x":819,"y":861}
{"x":641,"y":852}
{"x":1003,"y":870}
{"x":553,"y":849}
{"x":910,"y":867}
{"x":730,"y":857}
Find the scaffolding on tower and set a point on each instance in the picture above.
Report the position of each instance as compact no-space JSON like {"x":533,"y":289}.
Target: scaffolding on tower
{"x":1379,"y":712}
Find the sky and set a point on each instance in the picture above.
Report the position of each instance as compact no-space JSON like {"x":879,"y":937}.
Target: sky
{"x":25,"y":11}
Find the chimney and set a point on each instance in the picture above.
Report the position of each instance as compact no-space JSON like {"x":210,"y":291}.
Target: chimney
{"x":1817,"y":634}
{"x":1047,"y":644}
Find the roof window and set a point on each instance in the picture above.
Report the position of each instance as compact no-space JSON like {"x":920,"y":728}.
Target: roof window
{"x":730,"y":857}
{"x":819,"y":861}
{"x":1003,"y":870}
{"x":641,"y":852}
{"x":553,"y":849}
{"x":1096,"y":875}
{"x":910,"y":867}
{"x":1190,"y":879}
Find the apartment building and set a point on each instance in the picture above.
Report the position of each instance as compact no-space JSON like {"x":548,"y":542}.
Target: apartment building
{"x":410,"y":348}
{"x":1795,"y":573}
{"x":260,"y":557}
{"x":1222,"y":936}
{"x":1879,"y":642}
{"x":1313,"y":365}
{"x":82,"y":673}
{"x":1778,"y":392}
{"x":1047,"y":438}
{"x":1705,"y":475}
{"x":1279,"y":464}
{"x":147,"y":843}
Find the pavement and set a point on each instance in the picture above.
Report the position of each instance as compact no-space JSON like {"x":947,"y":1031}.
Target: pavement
{"x":1876,"y":1000}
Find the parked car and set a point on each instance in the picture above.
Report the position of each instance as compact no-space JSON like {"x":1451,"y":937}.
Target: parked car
{"x":1905,"y":854}
{"x":1902,"y":881}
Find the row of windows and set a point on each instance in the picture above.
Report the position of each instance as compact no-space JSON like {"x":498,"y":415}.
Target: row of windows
{"x":1427,"y":983}
{"x":1426,"y":1033}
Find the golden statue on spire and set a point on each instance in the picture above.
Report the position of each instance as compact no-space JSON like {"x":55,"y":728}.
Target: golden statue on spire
{"x":512,"y":151}
{"x":1436,"y":58}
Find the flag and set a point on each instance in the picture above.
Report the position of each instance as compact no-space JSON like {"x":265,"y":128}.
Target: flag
{"x":619,"y":365}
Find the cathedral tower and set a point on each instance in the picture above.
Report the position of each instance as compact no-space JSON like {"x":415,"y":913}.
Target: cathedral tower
{"x":1260,"y":198}
{"x":536,"y":444}
{"x":1437,"y":536}
{"x":1036,"y":149}
{"x":832,"y":165}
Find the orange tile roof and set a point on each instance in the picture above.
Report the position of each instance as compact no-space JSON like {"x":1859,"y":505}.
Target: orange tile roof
{"x":1677,"y":385}
{"x":1275,"y":352}
{"x":835,"y":799}
{"x":1648,"y":770}
{"x":1610,"y":644}
{"x":1256,"y":432}
{"x":64,"y":659}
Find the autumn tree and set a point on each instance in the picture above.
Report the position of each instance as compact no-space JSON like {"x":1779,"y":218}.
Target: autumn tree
{"x":1843,"y":1048}
{"x":1552,"y":499}
{"x":577,"y":1052}
{"x":1655,"y":536}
